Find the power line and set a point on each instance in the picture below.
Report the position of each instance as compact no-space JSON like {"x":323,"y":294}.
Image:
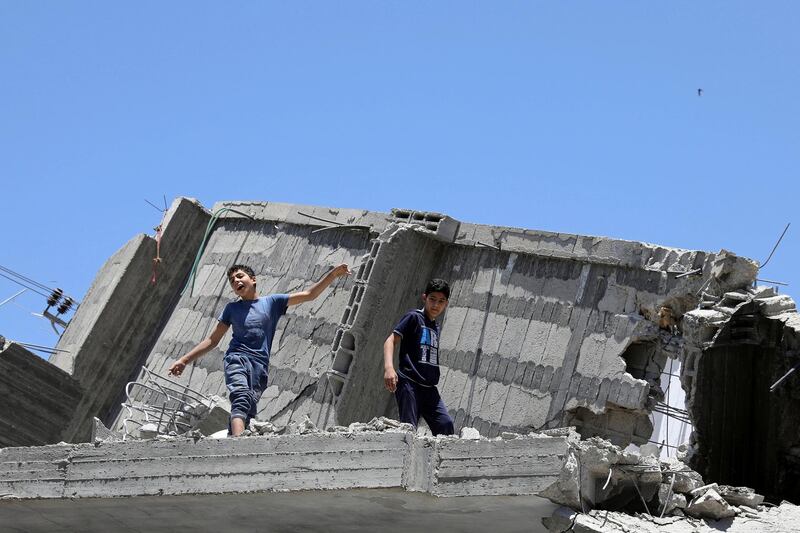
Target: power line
{"x":25,"y":278}
{"x":21,"y":284}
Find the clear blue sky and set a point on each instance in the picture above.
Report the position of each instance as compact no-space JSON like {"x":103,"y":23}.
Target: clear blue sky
{"x":579,"y":117}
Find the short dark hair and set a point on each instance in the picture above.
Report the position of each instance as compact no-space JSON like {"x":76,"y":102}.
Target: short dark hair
{"x":244,"y":268}
{"x":438,"y":285}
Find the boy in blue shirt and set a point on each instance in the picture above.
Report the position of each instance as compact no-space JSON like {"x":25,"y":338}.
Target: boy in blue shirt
{"x":254,"y":321}
{"x":414,"y":384}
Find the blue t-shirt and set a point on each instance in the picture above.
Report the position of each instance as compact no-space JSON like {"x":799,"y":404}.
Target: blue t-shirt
{"x":254,"y":323}
{"x":419,"y":348}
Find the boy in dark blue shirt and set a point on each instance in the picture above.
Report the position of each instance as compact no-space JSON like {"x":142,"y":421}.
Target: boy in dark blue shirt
{"x":414,"y":384}
{"x":254,"y":321}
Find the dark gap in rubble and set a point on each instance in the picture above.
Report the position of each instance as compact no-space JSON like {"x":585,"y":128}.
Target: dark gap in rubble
{"x":744,"y":434}
{"x":734,"y":422}
{"x":645,"y":360}
{"x":617,"y":425}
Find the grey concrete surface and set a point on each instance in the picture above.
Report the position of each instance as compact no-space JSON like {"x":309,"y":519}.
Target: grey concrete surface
{"x":446,"y":466}
{"x":37,"y":399}
{"x":358,"y":510}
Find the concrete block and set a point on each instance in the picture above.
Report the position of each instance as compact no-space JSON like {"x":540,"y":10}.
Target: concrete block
{"x":710,"y":505}
{"x":513,"y":337}
{"x":547,"y":378}
{"x":501,"y":370}
{"x":741,"y":496}
{"x":535,"y":343}
{"x":776,"y":305}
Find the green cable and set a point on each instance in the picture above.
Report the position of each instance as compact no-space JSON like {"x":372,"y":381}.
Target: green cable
{"x":214,"y":217}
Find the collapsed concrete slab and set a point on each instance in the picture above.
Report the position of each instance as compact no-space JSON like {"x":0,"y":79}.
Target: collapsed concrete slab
{"x":544,"y":330}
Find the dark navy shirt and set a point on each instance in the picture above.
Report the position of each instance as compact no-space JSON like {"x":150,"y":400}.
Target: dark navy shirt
{"x":254,"y":323}
{"x":419,"y":348}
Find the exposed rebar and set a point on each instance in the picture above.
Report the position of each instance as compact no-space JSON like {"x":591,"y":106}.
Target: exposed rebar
{"x":776,"y":246}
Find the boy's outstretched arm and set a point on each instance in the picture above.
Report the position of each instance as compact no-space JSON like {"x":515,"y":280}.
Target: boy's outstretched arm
{"x":389,"y":374}
{"x":312,"y":293}
{"x":203,"y":346}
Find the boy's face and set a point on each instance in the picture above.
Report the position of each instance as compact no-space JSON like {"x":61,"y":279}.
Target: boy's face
{"x":435,"y":304}
{"x":243,"y":285}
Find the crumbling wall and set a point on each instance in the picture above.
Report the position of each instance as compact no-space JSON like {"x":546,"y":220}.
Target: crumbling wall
{"x":541,"y":329}
{"x":388,"y":283}
{"x":121,"y":314}
{"x":38,"y":398}
{"x":288,"y":251}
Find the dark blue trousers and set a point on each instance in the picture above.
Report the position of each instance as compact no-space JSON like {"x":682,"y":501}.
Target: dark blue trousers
{"x":246,"y":378}
{"x":415,"y":400}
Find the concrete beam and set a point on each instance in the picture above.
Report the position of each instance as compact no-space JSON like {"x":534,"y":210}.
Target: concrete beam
{"x":315,"y":461}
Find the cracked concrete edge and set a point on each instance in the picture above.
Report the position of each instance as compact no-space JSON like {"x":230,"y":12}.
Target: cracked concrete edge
{"x":442,"y":466}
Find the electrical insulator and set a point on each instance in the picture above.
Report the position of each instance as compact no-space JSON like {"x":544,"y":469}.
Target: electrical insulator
{"x":65,"y":305}
{"x":55,"y":296}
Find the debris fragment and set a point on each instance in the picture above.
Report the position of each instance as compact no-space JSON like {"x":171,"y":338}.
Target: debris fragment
{"x":470,"y":433}
{"x":709,"y":504}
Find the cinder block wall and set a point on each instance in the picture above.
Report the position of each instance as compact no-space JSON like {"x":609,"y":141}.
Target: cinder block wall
{"x":288,"y":252}
{"x":527,"y":337}
{"x":542,"y":329}
{"x":389,"y":283}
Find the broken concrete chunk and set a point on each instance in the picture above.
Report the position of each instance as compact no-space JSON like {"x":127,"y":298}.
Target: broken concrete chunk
{"x":737,"y":296}
{"x":222,"y":434}
{"x":391,"y":423}
{"x":262,"y":428}
{"x":100,"y":433}
{"x":669,"y":500}
{"x":650,"y":449}
{"x":357,"y":426}
{"x":761,"y":292}
{"x":470,"y":433}
{"x":148,"y":431}
{"x":376,"y":424}
{"x":597,"y":472}
{"x":686,"y":479}
{"x":570,"y":432}
{"x":776,"y":305}
{"x":213,"y":415}
{"x":741,"y":496}
{"x":709,"y":505}
{"x":699,"y":491}
{"x":306,"y":426}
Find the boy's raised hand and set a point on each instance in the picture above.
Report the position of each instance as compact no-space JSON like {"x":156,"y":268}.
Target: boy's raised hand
{"x":342,"y":270}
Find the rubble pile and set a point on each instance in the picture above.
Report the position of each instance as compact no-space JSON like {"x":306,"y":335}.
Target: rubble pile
{"x":603,"y":488}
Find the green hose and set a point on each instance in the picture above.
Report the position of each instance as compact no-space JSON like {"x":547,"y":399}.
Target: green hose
{"x":214,"y":217}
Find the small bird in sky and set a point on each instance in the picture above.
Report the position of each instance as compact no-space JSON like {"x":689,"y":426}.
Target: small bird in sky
{"x":699,"y":92}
